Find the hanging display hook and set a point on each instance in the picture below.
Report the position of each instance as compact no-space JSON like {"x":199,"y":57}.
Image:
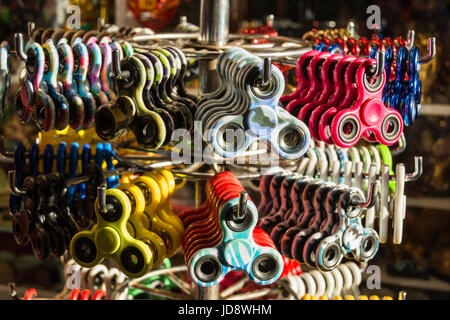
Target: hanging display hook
{"x":31,"y":28}
{"x":418,"y":170}
{"x":242,"y":205}
{"x":410,"y":39}
{"x":116,"y":65}
{"x":12,"y":184}
{"x":370,"y":199}
{"x":380,"y":63}
{"x":401,"y":145}
{"x":266,"y":71}
{"x":18,"y":46}
{"x":101,"y":198}
{"x":431,"y":47}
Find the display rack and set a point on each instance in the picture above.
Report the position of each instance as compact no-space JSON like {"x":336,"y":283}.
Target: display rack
{"x":213,"y":37}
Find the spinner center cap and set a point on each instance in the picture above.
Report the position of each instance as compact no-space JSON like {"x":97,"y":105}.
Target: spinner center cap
{"x":107,"y":239}
{"x":352,"y":237}
{"x":238,"y":253}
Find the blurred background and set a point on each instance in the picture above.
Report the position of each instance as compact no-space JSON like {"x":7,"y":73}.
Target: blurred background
{"x":421,"y":265}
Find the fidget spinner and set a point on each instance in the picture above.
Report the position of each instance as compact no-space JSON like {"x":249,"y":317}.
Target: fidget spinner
{"x":349,"y":238}
{"x":135,"y":226}
{"x":31,"y":99}
{"x":220,"y":238}
{"x":245,"y":109}
{"x":110,"y":238}
{"x":305,"y":213}
{"x":340,"y":99}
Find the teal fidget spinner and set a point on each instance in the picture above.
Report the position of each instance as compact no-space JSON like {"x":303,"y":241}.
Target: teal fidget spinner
{"x":236,"y":251}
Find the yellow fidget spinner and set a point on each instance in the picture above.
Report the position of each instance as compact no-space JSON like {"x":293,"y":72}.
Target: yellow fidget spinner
{"x":152,"y":214}
{"x":110,"y":238}
{"x":136,"y":226}
{"x":166,"y":183}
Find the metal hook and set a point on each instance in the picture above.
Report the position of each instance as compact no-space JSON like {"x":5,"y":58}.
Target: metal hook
{"x":371,"y":198}
{"x":185,"y":26}
{"x":269,"y":20}
{"x":410,"y":39}
{"x":266,"y":71}
{"x":431,"y":47}
{"x":101,"y":198}
{"x":381,"y":55}
{"x":379,"y":69}
{"x":183,"y":20}
{"x":402,"y":295}
{"x":31,"y":27}
{"x":242,"y":205}
{"x":12,"y":291}
{"x":116,"y":65}
{"x":351,"y":28}
{"x":12,"y":184}
{"x":401,"y":145}
{"x":18,"y":46}
{"x":100,"y":23}
{"x":418,"y":170}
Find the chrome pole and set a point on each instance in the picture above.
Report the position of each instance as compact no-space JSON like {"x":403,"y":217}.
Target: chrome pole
{"x":214,"y":23}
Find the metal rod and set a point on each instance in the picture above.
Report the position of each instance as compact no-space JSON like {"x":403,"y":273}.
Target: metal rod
{"x":163,"y":36}
{"x":402,"y":295}
{"x":162,"y":293}
{"x":31,"y":27}
{"x":266,"y":72}
{"x":234,"y":287}
{"x":214,"y":20}
{"x":159,"y":272}
{"x":207,"y":293}
{"x":214,"y":23}
{"x":277,"y":52}
{"x":82,"y":179}
{"x":285,"y":285}
{"x":195,"y":176}
{"x":197,"y":35}
{"x":255,"y":294}
{"x":242,"y":205}
{"x":248,"y":36}
{"x":70,"y":182}
{"x":101,"y":198}
{"x":198,"y":194}
{"x":184,"y":286}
